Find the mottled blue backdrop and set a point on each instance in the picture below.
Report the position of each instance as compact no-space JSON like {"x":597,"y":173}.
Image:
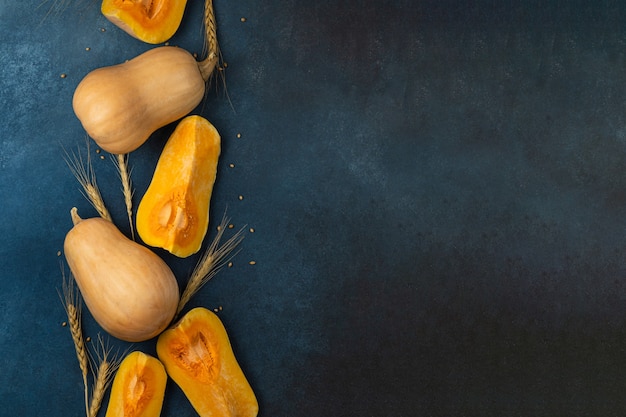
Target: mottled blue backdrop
{"x":437,"y":191}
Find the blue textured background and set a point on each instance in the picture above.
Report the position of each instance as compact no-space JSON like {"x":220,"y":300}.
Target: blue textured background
{"x":437,"y":190}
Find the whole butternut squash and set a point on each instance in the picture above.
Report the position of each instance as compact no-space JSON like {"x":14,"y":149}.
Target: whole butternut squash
{"x":121,"y":105}
{"x":173,"y":214}
{"x":138,"y":387}
{"x":151,"y":21}
{"x":129,"y":290}
{"x":197,"y":355}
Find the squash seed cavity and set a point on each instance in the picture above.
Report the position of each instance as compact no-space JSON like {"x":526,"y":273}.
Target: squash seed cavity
{"x":138,"y":393}
{"x":198,"y":357}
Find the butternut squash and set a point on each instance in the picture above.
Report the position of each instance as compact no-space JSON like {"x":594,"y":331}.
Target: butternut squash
{"x":197,"y":355}
{"x":152,"y":22}
{"x":138,"y":387}
{"x":173,"y":214}
{"x":121,"y":105}
{"x":129,"y":290}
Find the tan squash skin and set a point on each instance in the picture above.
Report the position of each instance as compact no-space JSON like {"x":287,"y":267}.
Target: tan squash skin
{"x":129,"y":290}
{"x":120,"y":106}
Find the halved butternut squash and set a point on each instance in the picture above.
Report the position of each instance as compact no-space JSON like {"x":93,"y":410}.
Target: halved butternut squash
{"x":138,"y":388}
{"x":198,"y":356}
{"x":173,"y":214}
{"x":151,"y":21}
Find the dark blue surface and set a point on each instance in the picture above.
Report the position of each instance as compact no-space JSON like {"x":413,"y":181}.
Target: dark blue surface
{"x":437,"y":190}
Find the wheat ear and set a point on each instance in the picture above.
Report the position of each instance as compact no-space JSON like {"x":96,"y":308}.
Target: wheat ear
{"x":107,"y":366}
{"x":121,"y":162}
{"x":72,"y":304}
{"x":213,"y":259}
{"x":211,"y":46}
{"x":86,"y":176}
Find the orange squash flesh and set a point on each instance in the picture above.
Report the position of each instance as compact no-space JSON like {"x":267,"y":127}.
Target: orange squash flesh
{"x":198,"y":356}
{"x":173,"y":214}
{"x":138,"y":388}
{"x":151,"y":21}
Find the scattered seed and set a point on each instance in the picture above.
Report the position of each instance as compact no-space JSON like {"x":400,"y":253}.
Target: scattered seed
{"x":251,"y":230}
{"x":88,"y":339}
{"x":97,"y":150}
{"x":87,"y":49}
{"x":101,"y":156}
{"x":238,"y":135}
{"x":103,"y":30}
{"x":240,"y":197}
{"x":219,"y":228}
{"x":252,"y":262}
{"x":216,"y":310}
{"x":230,"y":264}
{"x":225,"y":64}
{"x":232,"y":165}
{"x":220,"y":307}
{"x":63,"y":75}
{"x":243,"y":19}
{"x":58,"y":253}
{"x":64,"y":324}
{"x":230,"y":226}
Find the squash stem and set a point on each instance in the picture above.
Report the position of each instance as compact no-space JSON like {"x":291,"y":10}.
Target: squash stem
{"x":207,"y":66}
{"x":75,"y":217}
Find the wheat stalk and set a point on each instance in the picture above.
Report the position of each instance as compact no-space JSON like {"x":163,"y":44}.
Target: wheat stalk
{"x":57,"y":7}
{"x":72,"y":304}
{"x":101,"y":382}
{"x":211,"y":29}
{"x":102,"y":378}
{"x":86,"y":176}
{"x":121,"y":162}
{"x":213,"y":259}
{"x":211,"y":46}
